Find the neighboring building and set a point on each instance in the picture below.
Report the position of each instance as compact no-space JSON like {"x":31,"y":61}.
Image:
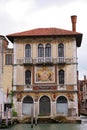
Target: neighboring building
{"x":80,"y":92}
{"x":83,"y":95}
{"x":3,"y":46}
{"x":5,"y":73}
{"x":45,"y":71}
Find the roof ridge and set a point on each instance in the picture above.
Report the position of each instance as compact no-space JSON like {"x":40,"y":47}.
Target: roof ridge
{"x":44,"y":31}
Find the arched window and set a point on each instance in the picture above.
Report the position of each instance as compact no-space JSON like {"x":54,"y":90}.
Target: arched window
{"x":28,"y":77}
{"x":61,"y":77}
{"x":28,"y":99}
{"x":61,"y":99}
{"x":27,"y":105}
{"x":40,"y":50}
{"x":61,"y":50}
{"x":44,"y":105}
{"x":28,"y":50}
{"x":62,"y":105}
{"x":48,"y":50}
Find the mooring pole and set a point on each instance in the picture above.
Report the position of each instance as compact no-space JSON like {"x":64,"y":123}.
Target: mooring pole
{"x":36,"y":120}
{"x":6,"y":116}
{"x":32,"y":117}
{"x":1,"y":115}
{"x":35,"y":114}
{"x":11,"y":115}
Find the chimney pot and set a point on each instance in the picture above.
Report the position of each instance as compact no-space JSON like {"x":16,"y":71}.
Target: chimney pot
{"x":84,"y":77}
{"x":74,"y":20}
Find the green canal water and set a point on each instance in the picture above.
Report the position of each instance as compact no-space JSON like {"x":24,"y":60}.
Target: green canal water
{"x":82,"y":126}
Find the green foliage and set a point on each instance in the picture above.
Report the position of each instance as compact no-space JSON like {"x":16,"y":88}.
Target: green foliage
{"x":14,"y":113}
{"x":11,"y":94}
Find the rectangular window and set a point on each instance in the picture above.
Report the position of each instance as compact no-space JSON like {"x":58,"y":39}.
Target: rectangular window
{"x":7,"y":105}
{"x":8,"y":59}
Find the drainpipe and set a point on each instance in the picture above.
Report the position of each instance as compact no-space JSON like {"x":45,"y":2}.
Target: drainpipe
{"x":1,"y":42}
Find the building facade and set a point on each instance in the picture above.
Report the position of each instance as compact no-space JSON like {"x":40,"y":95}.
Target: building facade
{"x":5,"y":73}
{"x":45,"y":71}
{"x":3,"y":46}
{"x":83,"y":95}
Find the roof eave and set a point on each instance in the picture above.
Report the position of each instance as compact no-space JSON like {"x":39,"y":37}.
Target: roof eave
{"x":4,"y":38}
{"x":79,"y":40}
{"x":77,"y":36}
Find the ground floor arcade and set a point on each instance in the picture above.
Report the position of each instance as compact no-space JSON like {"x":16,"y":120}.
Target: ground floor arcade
{"x":46,"y":104}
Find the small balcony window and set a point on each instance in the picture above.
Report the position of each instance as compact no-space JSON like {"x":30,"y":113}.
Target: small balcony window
{"x":8,"y":59}
{"x":48,"y":50}
{"x":28,"y":77}
{"x":40,"y":50}
{"x":61,"y":77}
{"x":28,"y":50}
{"x":61,"y":50}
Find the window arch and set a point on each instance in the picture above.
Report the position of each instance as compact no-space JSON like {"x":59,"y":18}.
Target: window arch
{"x":48,"y":50}
{"x":28,"y":77}
{"x":61,"y":50}
{"x":28,"y":50}
{"x":62,"y":105}
{"x":61,"y":76}
{"x":40,"y":50}
{"x":61,"y":99}
{"x":27,"y":105}
{"x":28,"y":99}
{"x":44,"y":105}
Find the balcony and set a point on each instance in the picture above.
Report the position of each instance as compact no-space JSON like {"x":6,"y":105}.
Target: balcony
{"x":46,"y":60}
{"x":61,"y":60}
{"x":25,"y":60}
{"x":64,"y":60}
{"x":28,"y":60}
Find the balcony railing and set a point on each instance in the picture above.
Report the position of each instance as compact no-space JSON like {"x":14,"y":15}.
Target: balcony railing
{"x":27,"y":60}
{"x":61,"y":60}
{"x":46,"y":60}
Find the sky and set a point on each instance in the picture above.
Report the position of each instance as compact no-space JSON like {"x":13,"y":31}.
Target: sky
{"x":22,"y":15}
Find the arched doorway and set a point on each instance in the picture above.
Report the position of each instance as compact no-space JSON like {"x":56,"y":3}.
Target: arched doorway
{"x":27,"y":105}
{"x":44,"y":106}
{"x":62,"y":105}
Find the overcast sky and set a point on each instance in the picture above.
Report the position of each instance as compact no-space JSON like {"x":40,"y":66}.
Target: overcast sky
{"x":22,"y":15}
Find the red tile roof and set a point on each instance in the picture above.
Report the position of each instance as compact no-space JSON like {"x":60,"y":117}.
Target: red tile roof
{"x":44,"y":32}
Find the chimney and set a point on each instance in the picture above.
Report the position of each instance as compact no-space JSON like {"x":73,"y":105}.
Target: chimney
{"x":74,"y":20}
{"x":85,"y":77}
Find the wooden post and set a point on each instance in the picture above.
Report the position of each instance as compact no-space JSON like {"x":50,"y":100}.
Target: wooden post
{"x":32,"y":116}
{"x":35,"y":114}
{"x":1,"y":115}
{"x":11,"y":115}
{"x":6,"y":116}
{"x":35,"y":120}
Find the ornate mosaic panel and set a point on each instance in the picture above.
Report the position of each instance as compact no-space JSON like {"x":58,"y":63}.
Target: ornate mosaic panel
{"x":44,"y":74}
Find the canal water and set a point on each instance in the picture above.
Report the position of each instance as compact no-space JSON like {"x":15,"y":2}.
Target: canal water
{"x":49,"y":127}
{"x":82,"y":126}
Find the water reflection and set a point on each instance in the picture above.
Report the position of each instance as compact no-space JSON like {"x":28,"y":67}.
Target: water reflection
{"x":83,"y":119}
{"x":50,"y":127}
{"x":82,"y":126}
